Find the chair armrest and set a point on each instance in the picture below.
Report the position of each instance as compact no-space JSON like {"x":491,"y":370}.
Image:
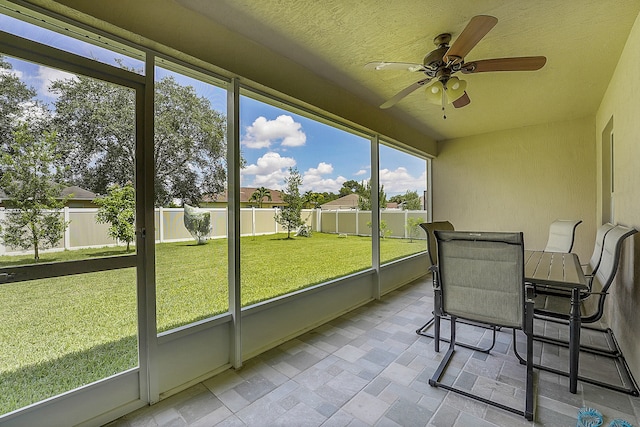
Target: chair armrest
{"x":436,"y":273}
{"x":529,"y":289}
{"x":437,"y":291}
{"x":530,"y":292}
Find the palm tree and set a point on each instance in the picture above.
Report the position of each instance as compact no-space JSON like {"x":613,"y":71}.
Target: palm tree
{"x":259,"y":195}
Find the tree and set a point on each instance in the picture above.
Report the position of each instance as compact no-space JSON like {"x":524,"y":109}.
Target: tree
{"x":349,"y":187}
{"x":96,"y":120}
{"x":33,"y":184}
{"x":118,"y":209}
{"x":198,"y":222}
{"x":364,"y":199}
{"x":312,"y":199}
{"x":408,"y":201}
{"x":14,"y":97}
{"x":412,"y":227}
{"x":259,"y":195}
{"x":328,"y":196}
{"x":412,"y":201}
{"x":384,"y":230}
{"x":290,"y":214}
{"x":398,"y":198}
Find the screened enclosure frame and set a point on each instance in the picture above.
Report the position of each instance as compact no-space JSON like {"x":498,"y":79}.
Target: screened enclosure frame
{"x":144,"y":259}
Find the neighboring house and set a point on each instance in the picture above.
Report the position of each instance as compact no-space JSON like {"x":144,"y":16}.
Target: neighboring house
{"x":220,"y":200}
{"x":350,"y":201}
{"x":80,"y":198}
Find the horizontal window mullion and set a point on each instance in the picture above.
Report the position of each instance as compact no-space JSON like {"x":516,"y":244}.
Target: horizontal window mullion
{"x":39,"y":53}
{"x":58,"y":269}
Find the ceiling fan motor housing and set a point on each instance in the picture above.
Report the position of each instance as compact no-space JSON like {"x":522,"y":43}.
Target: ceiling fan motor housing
{"x":433,"y":59}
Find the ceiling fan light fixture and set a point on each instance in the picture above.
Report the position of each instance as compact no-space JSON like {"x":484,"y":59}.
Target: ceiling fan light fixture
{"x":434,"y":92}
{"x":455,"y":88}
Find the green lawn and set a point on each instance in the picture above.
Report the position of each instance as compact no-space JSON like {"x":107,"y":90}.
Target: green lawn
{"x":58,"y":334}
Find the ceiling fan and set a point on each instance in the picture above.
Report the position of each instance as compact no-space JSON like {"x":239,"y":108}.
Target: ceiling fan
{"x":441,"y":64}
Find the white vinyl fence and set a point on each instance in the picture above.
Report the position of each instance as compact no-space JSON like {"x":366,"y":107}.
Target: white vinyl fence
{"x":85,"y":232}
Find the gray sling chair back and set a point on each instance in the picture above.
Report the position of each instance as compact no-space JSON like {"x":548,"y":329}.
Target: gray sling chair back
{"x":432,"y":251}
{"x":561,"y":235}
{"x":556,"y":307}
{"x":429,"y":228}
{"x":481,"y":279}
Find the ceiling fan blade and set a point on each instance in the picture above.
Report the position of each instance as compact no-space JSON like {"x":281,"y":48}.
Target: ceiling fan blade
{"x":404,"y":92}
{"x":407,"y":66}
{"x":525,"y":63}
{"x":475,"y":30}
{"x":462,"y":101}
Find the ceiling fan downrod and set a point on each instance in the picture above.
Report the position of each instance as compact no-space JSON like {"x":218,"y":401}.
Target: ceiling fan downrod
{"x":444,"y":102}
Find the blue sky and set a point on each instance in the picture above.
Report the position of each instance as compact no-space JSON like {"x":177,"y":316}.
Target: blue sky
{"x":272,"y":139}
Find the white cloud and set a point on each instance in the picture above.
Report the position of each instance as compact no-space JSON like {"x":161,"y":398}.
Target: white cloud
{"x":269,"y":171}
{"x":262,"y":133}
{"x":400,"y":180}
{"x":11,"y":72}
{"x":360,"y":172}
{"x":46,"y":76}
{"x":313,"y":180}
{"x":41,"y":80}
{"x":322,"y":169}
{"x":320,"y":185}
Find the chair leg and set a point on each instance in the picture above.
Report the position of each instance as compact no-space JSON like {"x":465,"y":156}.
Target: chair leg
{"x":606,"y":352}
{"x":436,"y":331}
{"x":434,"y":381}
{"x":436,"y":320}
{"x":528,"y":407}
{"x":612,"y":352}
{"x":621,"y":364}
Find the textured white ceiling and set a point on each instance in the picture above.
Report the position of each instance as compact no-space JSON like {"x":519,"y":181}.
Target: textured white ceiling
{"x":582,"y":40}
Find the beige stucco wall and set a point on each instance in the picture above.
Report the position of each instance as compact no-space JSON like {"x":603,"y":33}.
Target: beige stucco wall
{"x":520,"y":180}
{"x":622,"y":103}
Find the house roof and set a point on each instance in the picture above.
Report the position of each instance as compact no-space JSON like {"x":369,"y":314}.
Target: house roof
{"x":345,"y":202}
{"x":76,"y":192}
{"x":245,"y":195}
{"x":350,"y":201}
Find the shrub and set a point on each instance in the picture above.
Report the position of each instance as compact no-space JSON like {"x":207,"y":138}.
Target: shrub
{"x":198,"y":222}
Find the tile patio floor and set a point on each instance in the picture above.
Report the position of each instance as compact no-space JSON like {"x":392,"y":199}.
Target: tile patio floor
{"x":370,"y":368}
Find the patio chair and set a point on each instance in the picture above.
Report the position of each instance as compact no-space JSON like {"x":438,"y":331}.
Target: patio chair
{"x":429,"y":228}
{"x":594,"y":262}
{"x":481,"y":279}
{"x":561,"y":235}
{"x":556,"y":307}
{"x":432,"y":251}
{"x":588,"y":269}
